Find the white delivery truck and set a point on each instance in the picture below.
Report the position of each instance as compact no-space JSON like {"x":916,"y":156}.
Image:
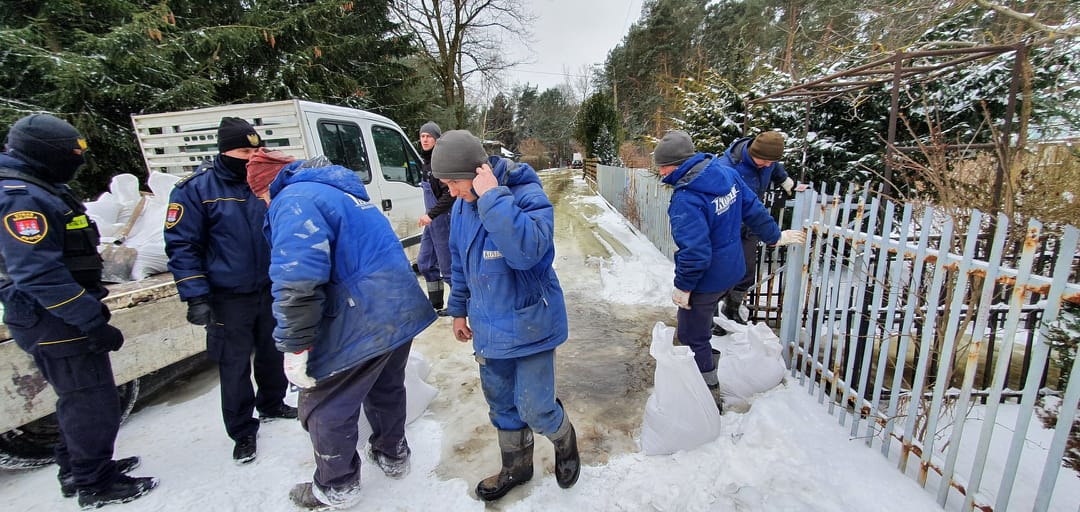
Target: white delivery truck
{"x":160,"y":344}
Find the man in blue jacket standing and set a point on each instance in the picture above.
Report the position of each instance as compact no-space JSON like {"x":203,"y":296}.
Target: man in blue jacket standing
{"x":219,"y":259}
{"x":50,"y":285}
{"x":434,"y":258}
{"x":347,"y":306}
{"x":505,"y":296}
{"x":757,"y":161}
{"x":708,"y":206}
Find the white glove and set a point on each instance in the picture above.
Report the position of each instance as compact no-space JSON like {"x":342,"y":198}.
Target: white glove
{"x":788,"y":185}
{"x":296,"y":369}
{"x":791,"y":236}
{"x":680,"y":298}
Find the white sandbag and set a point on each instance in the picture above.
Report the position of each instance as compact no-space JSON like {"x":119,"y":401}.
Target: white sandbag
{"x":680,"y":414}
{"x":104,"y":211}
{"x":147,"y":234}
{"x":125,"y":191}
{"x":418,"y":394}
{"x":750,"y":362}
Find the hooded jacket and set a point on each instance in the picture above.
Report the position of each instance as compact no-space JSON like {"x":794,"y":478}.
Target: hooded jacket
{"x":213,"y":234}
{"x":737,"y":155}
{"x":502,"y":246}
{"x":709,"y":205}
{"x":342,"y":285}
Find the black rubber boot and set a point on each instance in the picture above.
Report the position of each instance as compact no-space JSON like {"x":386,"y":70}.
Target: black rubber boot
{"x":435,"y":294}
{"x":732,"y":301}
{"x":517,"y":465}
{"x":67,"y":481}
{"x":567,"y":460}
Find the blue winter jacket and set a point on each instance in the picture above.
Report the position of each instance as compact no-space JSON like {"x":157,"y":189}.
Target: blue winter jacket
{"x":342,"y":284}
{"x":213,"y":234}
{"x":709,"y":205}
{"x":737,"y":155}
{"x":502,"y":246}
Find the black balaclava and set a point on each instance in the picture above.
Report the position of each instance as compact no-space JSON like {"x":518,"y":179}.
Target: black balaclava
{"x":233,"y":133}
{"x":49,"y":145}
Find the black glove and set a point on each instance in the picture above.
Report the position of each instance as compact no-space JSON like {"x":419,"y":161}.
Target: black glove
{"x":198,"y":310}
{"x":104,"y":338}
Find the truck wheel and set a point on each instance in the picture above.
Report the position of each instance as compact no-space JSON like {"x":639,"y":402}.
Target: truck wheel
{"x":31,"y":445}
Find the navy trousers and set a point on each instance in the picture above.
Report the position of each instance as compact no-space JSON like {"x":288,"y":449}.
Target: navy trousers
{"x":694,"y":327}
{"x":520,"y":392}
{"x":433,"y":261}
{"x":749,"y":248}
{"x":329,"y":413}
{"x":87,"y":407}
{"x":243,"y":324}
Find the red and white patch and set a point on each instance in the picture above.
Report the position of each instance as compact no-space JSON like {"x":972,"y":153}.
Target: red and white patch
{"x":173,"y":214}
{"x":29,"y":227}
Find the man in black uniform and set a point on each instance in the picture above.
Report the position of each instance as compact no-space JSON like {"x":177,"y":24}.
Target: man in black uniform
{"x":220,"y":260}
{"x":50,"y":285}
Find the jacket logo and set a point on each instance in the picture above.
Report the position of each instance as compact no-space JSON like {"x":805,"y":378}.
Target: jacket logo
{"x":26,"y":226}
{"x":492,"y":255}
{"x":253,"y":139}
{"x":722,"y":203}
{"x":173,"y":215}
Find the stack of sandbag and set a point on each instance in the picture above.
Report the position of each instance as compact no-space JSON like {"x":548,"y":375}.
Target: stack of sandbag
{"x":142,"y":235}
{"x":751,"y":362}
{"x":681,"y":413}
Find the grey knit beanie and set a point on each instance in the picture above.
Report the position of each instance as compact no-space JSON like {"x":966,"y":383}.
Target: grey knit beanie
{"x":457,"y":155}
{"x":674,"y":149}
{"x":432,"y":129}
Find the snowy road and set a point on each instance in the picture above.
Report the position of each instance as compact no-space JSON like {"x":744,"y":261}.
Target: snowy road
{"x":785,"y":454}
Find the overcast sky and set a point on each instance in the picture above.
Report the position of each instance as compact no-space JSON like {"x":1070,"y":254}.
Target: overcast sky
{"x":569,"y":34}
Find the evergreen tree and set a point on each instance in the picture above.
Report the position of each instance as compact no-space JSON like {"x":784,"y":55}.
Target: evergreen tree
{"x":112,"y":59}
{"x":596,"y":113}
{"x":606,"y":152}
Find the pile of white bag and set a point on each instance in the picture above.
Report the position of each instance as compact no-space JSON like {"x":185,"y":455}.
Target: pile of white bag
{"x":681,"y":413}
{"x":113,"y":209}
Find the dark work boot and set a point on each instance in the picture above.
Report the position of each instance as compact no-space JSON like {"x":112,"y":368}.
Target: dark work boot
{"x":244,"y":450}
{"x":732,"y":301}
{"x":278,"y":411}
{"x":517,"y":465}
{"x":122,"y":490}
{"x":435,"y":294}
{"x":67,"y":481}
{"x":567,"y":461}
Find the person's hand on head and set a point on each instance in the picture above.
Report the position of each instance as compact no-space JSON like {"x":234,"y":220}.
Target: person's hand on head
{"x":484,"y":180}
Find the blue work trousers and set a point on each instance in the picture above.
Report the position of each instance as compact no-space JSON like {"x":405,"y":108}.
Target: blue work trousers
{"x":694,"y":327}
{"x":329,"y":412}
{"x":520,"y":392}
{"x":433,"y":262}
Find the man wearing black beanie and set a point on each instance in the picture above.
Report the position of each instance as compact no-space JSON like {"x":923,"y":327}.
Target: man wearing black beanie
{"x":220,"y":260}
{"x":434,"y":258}
{"x":50,"y":286}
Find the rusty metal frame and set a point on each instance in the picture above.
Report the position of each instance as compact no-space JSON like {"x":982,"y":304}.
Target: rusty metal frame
{"x":901,"y":69}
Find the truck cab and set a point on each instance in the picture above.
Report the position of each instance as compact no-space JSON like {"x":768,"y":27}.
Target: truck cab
{"x":373,"y":146}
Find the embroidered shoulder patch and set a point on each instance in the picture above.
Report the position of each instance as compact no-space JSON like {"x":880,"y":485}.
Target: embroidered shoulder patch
{"x":26,"y":226}
{"x":173,"y":215}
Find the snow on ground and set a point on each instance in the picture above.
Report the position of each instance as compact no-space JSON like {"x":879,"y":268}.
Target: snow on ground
{"x":787,"y":453}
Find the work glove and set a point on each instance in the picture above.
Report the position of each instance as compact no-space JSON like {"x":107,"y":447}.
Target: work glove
{"x":104,"y":338}
{"x":198,"y":310}
{"x":680,"y":298}
{"x":791,"y":236}
{"x":788,"y":185}
{"x":296,"y":369}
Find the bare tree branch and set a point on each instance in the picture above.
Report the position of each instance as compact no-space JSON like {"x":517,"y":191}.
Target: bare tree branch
{"x":462,"y":39}
{"x":1053,"y":32}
